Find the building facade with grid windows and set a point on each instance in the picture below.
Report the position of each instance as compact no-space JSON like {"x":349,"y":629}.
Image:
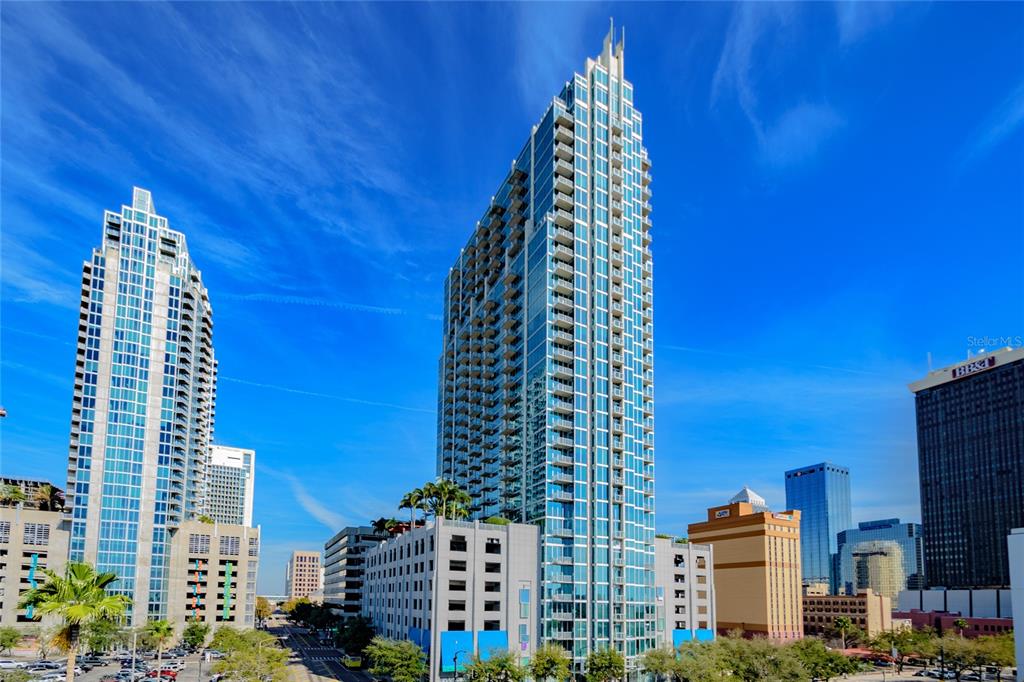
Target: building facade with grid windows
{"x":303,"y":577}
{"x":213,"y":574}
{"x":30,"y":541}
{"x":143,"y":407}
{"x":545,"y":401}
{"x":970,"y":450}
{"x":232,"y":485}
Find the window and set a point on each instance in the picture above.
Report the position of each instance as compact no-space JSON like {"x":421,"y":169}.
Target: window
{"x":198,"y":544}
{"x":492,"y":625}
{"x":36,"y":534}
{"x":492,"y":587}
{"x":5,"y":531}
{"x":229,"y":545}
{"x":457,"y":543}
{"x":456,"y":626}
{"x":493,"y":546}
{"x":254,"y":546}
{"x":492,"y":606}
{"x":456,"y":605}
{"x":455,"y":565}
{"x":457,"y":585}
{"x":492,"y":568}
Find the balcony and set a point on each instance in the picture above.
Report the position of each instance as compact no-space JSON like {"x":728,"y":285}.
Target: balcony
{"x":563,"y":168}
{"x":562,"y":217}
{"x":561,"y":460}
{"x":562,"y":285}
{"x":562,"y":321}
{"x":564,"y":270}
{"x":563,"y":201}
{"x":562,"y":388}
{"x":563,"y":303}
{"x":563,"y":151}
{"x":563,"y":185}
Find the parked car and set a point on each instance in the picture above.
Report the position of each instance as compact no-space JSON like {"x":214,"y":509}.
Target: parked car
{"x":163,"y":673}
{"x":213,"y":653}
{"x":42,"y":666}
{"x":8,"y":664}
{"x":352,"y":661}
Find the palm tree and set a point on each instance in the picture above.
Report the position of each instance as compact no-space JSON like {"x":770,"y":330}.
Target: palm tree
{"x":843,"y":623}
{"x":960,"y":624}
{"x":412,"y":501}
{"x":49,"y":498}
{"x":78,"y":598}
{"x":385,"y":525}
{"x":11,"y":495}
{"x":446,"y":497}
{"x":159,"y":632}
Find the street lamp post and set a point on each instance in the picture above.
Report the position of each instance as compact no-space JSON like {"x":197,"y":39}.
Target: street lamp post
{"x":455,"y":663}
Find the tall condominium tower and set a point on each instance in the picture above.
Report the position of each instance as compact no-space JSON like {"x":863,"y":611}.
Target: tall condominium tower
{"x":142,"y":415}
{"x":970,"y":454}
{"x":232,"y":484}
{"x":545,"y":405}
{"x":822,"y":494}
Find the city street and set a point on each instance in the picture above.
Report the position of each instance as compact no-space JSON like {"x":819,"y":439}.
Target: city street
{"x":312,"y":661}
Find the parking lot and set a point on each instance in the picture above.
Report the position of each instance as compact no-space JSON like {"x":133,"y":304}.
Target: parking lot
{"x":194,"y":670}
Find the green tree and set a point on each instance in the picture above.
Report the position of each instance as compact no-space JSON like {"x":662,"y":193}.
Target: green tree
{"x":77,"y":598}
{"x":9,"y":638}
{"x":900,"y":644}
{"x":960,"y":624}
{"x":997,"y":650}
{"x":159,"y":633}
{"x":11,"y":495}
{"x":195,"y":633}
{"x":49,"y":498}
{"x":660,"y":662}
{"x":497,"y":520}
{"x":356,"y":634}
{"x":446,"y":499}
{"x":16,"y":676}
{"x":263,"y":608}
{"x":289,"y":606}
{"x":384,"y":525}
{"x":550,"y":662}
{"x":203,"y":518}
{"x":604,"y":665}
{"x":960,"y":655}
{"x":252,"y":656}
{"x":500,"y":666}
{"x":100,"y":635}
{"x":843,"y":624}
{"x":402,"y":661}
{"x":699,"y":662}
{"x":819,"y":662}
{"x":758,"y":659}
{"x":413,"y":501}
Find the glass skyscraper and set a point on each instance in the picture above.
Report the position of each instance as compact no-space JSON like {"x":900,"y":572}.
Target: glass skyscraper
{"x":906,"y":535}
{"x":822,"y":493}
{"x":142,"y":413}
{"x":545,"y":405}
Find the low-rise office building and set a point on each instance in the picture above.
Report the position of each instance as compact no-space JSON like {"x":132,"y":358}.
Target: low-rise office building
{"x":213,"y":574}
{"x":344,"y":562}
{"x":303,"y":578}
{"x":457,"y":589}
{"x":30,"y":540}
{"x":869,"y":611}
{"x":757,"y":567}
{"x":943,"y":622}
{"x":685,"y":589}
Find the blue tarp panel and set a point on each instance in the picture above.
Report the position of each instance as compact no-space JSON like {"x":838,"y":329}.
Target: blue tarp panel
{"x":420,"y":637}
{"x":456,"y":650}
{"x":704,"y":635}
{"x":491,"y":641}
{"x":680,"y":636}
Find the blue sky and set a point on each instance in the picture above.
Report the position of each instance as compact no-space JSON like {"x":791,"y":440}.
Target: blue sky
{"x":837,"y":193}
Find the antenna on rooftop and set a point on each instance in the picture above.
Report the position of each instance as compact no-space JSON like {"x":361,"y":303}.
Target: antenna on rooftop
{"x":929,"y":361}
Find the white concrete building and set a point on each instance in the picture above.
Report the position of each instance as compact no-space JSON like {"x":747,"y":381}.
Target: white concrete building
{"x":232,"y":485}
{"x":983,"y":603}
{"x":685,"y":592}
{"x":456,"y":588}
{"x":1015,"y":547}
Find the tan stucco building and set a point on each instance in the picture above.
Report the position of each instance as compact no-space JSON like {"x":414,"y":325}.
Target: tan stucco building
{"x":213,"y":574}
{"x":756,"y":568}
{"x":303,"y":577}
{"x":30,"y":540}
{"x":868,"y":610}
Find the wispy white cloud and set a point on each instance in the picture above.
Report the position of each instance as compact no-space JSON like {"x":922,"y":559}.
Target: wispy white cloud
{"x":313,"y":302}
{"x":856,"y":18}
{"x":328,"y":396}
{"x":312,"y":506}
{"x":1000,"y":125}
{"x":29,"y":277}
{"x":794,"y":136}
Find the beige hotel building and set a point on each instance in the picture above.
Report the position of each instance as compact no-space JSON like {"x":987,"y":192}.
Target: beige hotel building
{"x":756,"y":567}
